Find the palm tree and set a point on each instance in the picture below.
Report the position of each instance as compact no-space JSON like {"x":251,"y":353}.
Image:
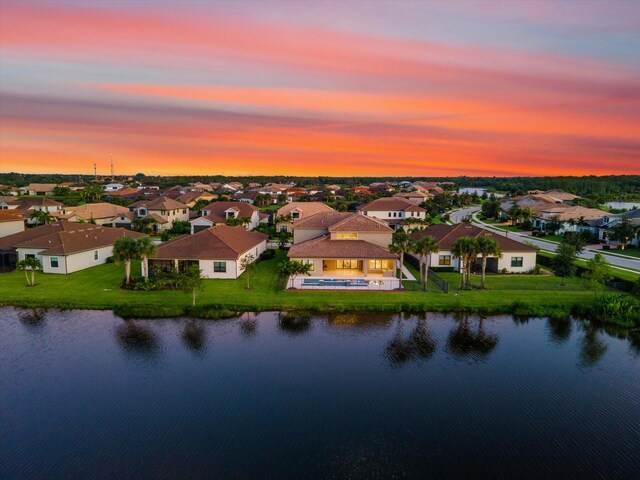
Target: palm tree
{"x":42,"y":217}
{"x":29,"y":263}
{"x":424,"y":248}
{"x":487,"y":247}
{"x":146,"y":249}
{"x":125,"y":249}
{"x":400,"y":244}
{"x":514,"y":213}
{"x":466,"y":249}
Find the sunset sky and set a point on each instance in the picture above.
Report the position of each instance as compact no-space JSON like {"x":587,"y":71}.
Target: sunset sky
{"x":320,"y":88}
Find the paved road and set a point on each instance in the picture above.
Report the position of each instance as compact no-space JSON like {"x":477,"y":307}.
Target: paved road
{"x":622,"y":263}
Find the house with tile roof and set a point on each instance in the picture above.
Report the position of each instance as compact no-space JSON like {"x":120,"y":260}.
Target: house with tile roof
{"x":346,"y":251}
{"x":572,"y":218}
{"x":517,"y":257}
{"x":38,"y":189}
{"x":163,"y":210}
{"x":393,"y":210}
{"x":191,"y":197}
{"x":220,"y":212}
{"x":11,"y":222}
{"x":27,"y":205}
{"x":101,"y":213}
{"x":218,"y":251}
{"x":63,"y":247}
{"x":296,"y":211}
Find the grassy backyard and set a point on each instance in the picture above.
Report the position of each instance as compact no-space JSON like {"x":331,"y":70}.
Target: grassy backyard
{"x":98,"y":288}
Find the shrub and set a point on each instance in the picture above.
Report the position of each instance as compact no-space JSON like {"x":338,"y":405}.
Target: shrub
{"x":164,"y":236}
{"x":268,"y":254}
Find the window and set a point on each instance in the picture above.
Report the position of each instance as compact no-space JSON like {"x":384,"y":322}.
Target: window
{"x":54,"y":262}
{"x":516,"y":261}
{"x":230,"y":215}
{"x":348,"y":264}
{"x":30,"y":255}
{"x":444,"y":260}
{"x":220,"y":267}
{"x":307,"y":261}
{"x":379,"y":264}
{"x":163,"y":212}
{"x":389,"y":213}
{"x":347,"y":235}
{"x":95,"y":254}
{"x":295,"y":215}
{"x":283,"y":228}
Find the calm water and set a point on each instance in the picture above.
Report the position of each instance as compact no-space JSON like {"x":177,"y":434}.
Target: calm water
{"x":623,"y":205}
{"x":87,"y":395}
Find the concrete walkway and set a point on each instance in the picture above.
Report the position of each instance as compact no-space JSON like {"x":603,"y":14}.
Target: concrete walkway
{"x":407,"y":273}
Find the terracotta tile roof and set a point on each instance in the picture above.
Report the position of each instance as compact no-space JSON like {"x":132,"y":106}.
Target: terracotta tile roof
{"x":65,"y":238}
{"x":96,"y":211}
{"x":164,"y":203}
{"x":10,"y":216}
{"x":565,"y":213}
{"x":320,"y":220}
{"x":219,"y":242}
{"x":40,"y":187}
{"x":306,"y":209}
{"x":360,"y":223}
{"x":448,"y":234}
{"x":125,"y":192}
{"x":218,"y":209}
{"x":25,"y":203}
{"x":324,"y":247}
{"x":390,"y":204}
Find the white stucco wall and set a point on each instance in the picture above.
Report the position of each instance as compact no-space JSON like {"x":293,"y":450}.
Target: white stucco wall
{"x":9,"y":228}
{"x":528,"y":262}
{"x":234,"y":269}
{"x":384,"y":215}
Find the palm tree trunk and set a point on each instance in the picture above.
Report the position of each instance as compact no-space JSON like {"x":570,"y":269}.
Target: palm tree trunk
{"x":194,"y":298}
{"x":426,"y":273}
{"x":461,"y":273}
{"x":421,"y":267}
{"x":26,"y":275}
{"x":33,"y":277}
{"x":145,"y":268}
{"x":484,"y":268}
{"x":127,"y":271}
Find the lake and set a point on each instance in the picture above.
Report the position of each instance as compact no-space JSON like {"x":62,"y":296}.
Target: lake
{"x":479,"y":190}
{"x":623,"y":205}
{"x":84,"y":394}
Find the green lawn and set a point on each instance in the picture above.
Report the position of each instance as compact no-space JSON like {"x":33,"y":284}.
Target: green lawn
{"x":98,"y":288}
{"x":627,"y":252}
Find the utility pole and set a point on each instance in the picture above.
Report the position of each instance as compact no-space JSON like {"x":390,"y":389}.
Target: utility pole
{"x":111,"y":157}
{"x":95,"y":171}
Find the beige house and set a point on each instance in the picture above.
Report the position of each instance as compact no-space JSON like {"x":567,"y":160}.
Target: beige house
{"x":298,"y":210}
{"x":220,"y":212}
{"x":99,"y":213}
{"x":218,"y":251}
{"x":11,"y":222}
{"x":27,"y":205}
{"x":346,"y":250}
{"x":38,"y":189}
{"x":516,"y":257}
{"x":393,"y":210}
{"x":65,"y":247}
{"x":163,"y":210}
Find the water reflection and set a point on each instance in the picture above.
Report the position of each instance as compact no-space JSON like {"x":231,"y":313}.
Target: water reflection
{"x":592,"y":348}
{"x":559,"y":329}
{"x":294,"y":323}
{"x":33,"y":318}
{"x":194,"y":335}
{"x":466,"y":342}
{"x":249,"y":324}
{"x":419,"y":344}
{"x":137,"y":337}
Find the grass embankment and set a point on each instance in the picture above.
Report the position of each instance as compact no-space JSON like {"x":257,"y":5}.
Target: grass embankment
{"x":99,"y":288}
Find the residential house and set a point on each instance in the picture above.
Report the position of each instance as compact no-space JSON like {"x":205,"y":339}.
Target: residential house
{"x":380,"y":187}
{"x":113,"y":187}
{"x":220,"y":212}
{"x":38,"y":189}
{"x":602,"y":228}
{"x":393,"y":210}
{"x":163,"y":210}
{"x":428,"y":187}
{"x":99,"y":213}
{"x":11,"y":221}
{"x":362,"y":191}
{"x":516,"y":257}
{"x":298,"y":210}
{"x":418,"y":196}
{"x":201,"y":186}
{"x":571,"y":218}
{"x":63,"y":247}
{"x":27,"y":205}
{"x":346,"y":251}
{"x":194,"y":196}
{"x":218,"y":251}
{"x":126,"y":193}
{"x":246,"y":197}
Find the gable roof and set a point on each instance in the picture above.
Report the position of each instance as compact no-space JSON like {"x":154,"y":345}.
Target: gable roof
{"x":40,"y":187}
{"x":220,"y":242}
{"x":65,"y":238}
{"x":360,"y":223}
{"x":324,"y":247}
{"x":306,"y":209}
{"x":96,"y":210}
{"x":448,"y":234}
{"x":26,"y":203}
{"x":218,"y":210}
{"x":11,"y":216}
{"x":390,"y":204}
{"x":159,"y":203}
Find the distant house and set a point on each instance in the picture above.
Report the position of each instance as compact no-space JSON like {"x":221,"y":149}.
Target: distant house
{"x":417,"y":196}
{"x":393,"y":210}
{"x":113,"y":187}
{"x":246,"y":197}
{"x":298,"y":210}
{"x":38,"y":189}
{"x":217,"y":251}
{"x":571,"y":218}
{"x":517,"y":257}
{"x":429,"y":187}
{"x":603,"y":229}
{"x":362,"y":191}
{"x":27,"y":205}
{"x":99,"y":213}
{"x":380,"y":187}
{"x":191,"y":197}
{"x":163,"y":210}
{"x":63,"y":247}
{"x":346,"y":251}
{"x":125,"y":193}
{"x":11,"y":221}
{"x":220,"y":212}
